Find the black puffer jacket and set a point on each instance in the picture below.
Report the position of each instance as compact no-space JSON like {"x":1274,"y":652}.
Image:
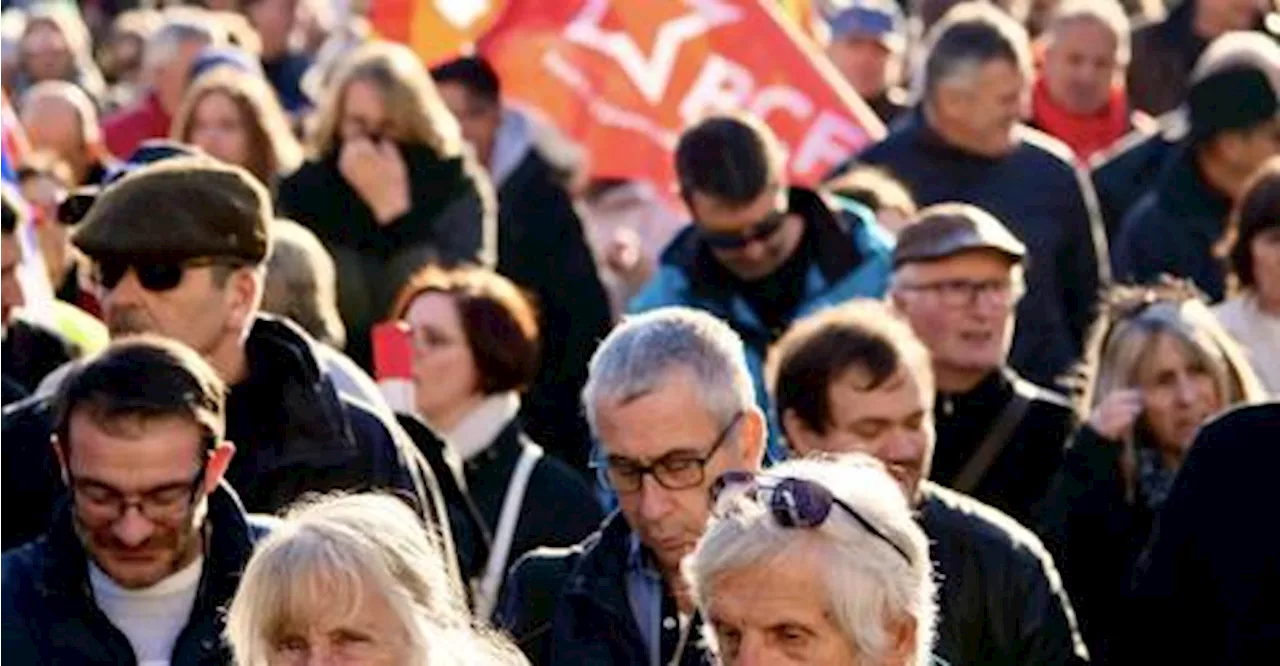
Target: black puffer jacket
{"x":294,"y":434}
{"x":50,"y":617}
{"x":1000,"y":598}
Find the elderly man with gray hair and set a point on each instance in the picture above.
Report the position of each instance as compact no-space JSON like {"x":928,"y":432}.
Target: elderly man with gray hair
{"x":818,"y":561}
{"x":965,"y":143}
{"x":672,"y":405}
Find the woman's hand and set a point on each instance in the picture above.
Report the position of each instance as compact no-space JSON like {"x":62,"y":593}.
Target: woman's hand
{"x":377,"y":172}
{"x":1115,"y":416}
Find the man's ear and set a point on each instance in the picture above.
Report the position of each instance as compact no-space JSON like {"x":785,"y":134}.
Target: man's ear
{"x":216,"y":467}
{"x":244,"y":294}
{"x":56,"y":443}
{"x":801,"y":439}
{"x":752,"y":436}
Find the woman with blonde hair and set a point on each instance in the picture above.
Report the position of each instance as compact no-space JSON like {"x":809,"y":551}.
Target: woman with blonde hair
{"x":354,"y":580}
{"x":1160,"y":365}
{"x":388,"y":184}
{"x":235,"y":117}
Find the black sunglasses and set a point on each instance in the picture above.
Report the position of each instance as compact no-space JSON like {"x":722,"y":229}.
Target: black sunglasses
{"x":793,"y":503}
{"x":152,"y":276}
{"x":736,"y":240}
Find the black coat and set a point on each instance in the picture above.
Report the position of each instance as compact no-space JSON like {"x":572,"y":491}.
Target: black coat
{"x":1174,"y":228}
{"x":542,"y":247}
{"x":1037,"y":192}
{"x":1164,"y":53}
{"x":1205,"y":591}
{"x":1019,"y":476}
{"x":451,"y":220}
{"x":50,"y":616}
{"x":1095,"y":535}
{"x":294,"y":434}
{"x":1000,"y":598}
{"x":570,"y":606}
{"x":1128,"y":173}
{"x":559,"y":507}
{"x":31,"y":351}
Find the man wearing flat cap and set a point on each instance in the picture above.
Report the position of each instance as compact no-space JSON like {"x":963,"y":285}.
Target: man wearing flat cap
{"x":958,"y":276}
{"x":178,"y":249}
{"x":1233,"y":126}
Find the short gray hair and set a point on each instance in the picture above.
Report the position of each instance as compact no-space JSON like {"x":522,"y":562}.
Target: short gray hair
{"x":181,"y":25}
{"x":969,"y":36}
{"x":637,"y":356}
{"x":302,"y":282}
{"x":1107,"y":13}
{"x":327,"y":555}
{"x":868,"y":583}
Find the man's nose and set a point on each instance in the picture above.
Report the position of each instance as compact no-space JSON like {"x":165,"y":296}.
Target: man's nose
{"x":655,"y":501}
{"x":133,"y":528}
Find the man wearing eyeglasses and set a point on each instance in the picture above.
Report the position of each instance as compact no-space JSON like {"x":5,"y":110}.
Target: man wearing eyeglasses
{"x":673,"y":407}
{"x":855,"y":379}
{"x":148,"y":547}
{"x":179,"y":249}
{"x":958,"y":277}
{"x":761,"y":253}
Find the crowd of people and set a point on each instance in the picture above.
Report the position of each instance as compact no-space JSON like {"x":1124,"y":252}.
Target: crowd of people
{"x":317,"y":353}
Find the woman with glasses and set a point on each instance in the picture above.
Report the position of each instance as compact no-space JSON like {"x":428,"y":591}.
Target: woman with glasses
{"x":357,"y":581}
{"x":1160,"y":365}
{"x":475,"y":349}
{"x":388,"y":184}
{"x":817,"y":561}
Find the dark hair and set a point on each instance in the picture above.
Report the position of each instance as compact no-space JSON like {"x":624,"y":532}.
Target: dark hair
{"x":473,"y":73}
{"x":498,"y":320}
{"x":972,"y":32}
{"x":144,"y":377}
{"x":873,"y":187}
{"x":819,"y":349}
{"x":732,"y":158}
{"x":15,"y":211}
{"x":1257,"y":211}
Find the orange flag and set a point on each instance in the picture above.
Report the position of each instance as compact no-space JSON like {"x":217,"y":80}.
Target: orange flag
{"x":625,"y":77}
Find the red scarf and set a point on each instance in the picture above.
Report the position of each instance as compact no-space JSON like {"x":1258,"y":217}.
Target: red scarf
{"x":1086,"y":135}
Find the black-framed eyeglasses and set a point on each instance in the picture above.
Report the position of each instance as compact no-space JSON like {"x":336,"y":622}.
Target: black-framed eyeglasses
{"x":674,"y":471}
{"x":962,"y":293}
{"x":103,"y":505}
{"x":152,"y":276}
{"x":793,"y":503}
{"x":736,"y":240}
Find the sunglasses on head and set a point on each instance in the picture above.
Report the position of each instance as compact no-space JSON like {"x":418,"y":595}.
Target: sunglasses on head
{"x":793,"y":503}
{"x":736,"y":240}
{"x":156,"y":276}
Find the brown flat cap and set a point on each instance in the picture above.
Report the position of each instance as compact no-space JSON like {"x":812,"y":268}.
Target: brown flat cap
{"x":948,"y":229}
{"x":177,"y":209}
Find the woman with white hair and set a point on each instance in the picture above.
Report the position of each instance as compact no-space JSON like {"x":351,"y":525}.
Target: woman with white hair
{"x":1160,"y":366}
{"x":355,"y":580}
{"x":817,"y":561}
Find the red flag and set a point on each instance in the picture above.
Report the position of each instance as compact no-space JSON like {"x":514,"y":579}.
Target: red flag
{"x":625,"y":77}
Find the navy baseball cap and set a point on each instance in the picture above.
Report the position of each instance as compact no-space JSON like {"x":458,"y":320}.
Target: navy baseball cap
{"x":877,"y":19}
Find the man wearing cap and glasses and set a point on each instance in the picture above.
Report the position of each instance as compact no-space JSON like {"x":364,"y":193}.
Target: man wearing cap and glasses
{"x":671,"y":403}
{"x":1175,"y":227}
{"x":856,"y":379}
{"x":761,"y":253}
{"x":867,"y":42}
{"x":150,"y":543}
{"x":792,"y":559}
{"x":957,"y":279}
{"x":178,"y":249}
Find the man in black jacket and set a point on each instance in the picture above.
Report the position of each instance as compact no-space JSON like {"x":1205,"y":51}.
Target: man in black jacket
{"x":957,"y":277}
{"x":146,"y":552}
{"x":964,"y":143}
{"x":855,"y":379}
{"x":179,"y":248}
{"x":1176,"y":227}
{"x":671,"y":401}
{"x":542,"y":246}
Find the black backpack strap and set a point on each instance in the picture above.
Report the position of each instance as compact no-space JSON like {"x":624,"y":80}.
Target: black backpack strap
{"x":997,"y":438}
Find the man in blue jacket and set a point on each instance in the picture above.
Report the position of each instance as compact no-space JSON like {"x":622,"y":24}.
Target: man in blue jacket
{"x":760,"y":254}
{"x":965,"y":144}
{"x":148,"y":547}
